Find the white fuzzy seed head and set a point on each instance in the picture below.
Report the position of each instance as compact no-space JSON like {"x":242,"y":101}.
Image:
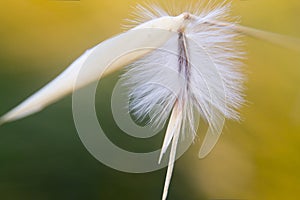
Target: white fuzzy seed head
{"x":195,"y":73}
{"x":208,"y":82}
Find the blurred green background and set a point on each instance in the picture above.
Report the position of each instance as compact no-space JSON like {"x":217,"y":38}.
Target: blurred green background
{"x":42,"y":157}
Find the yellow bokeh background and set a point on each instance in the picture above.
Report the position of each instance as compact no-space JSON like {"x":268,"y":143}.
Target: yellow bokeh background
{"x":257,"y":158}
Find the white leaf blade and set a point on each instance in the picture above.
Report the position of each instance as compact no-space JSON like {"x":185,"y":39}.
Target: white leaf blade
{"x":133,"y":44}
{"x":177,"y":129}
{"x":173,"y":126}
{"x":59,"y":87}
{"x":275,"y":38}
{"x":212,"y":136}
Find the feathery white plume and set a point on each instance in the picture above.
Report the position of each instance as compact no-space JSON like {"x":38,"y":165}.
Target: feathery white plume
{"x":196,"y":71}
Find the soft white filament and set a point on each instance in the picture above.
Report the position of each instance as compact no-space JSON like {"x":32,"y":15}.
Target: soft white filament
{"x":196,"y":71}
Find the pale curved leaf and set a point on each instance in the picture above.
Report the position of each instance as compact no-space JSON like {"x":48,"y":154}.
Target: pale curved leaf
{"x":212,"y":135}
{"x":127,"y":46}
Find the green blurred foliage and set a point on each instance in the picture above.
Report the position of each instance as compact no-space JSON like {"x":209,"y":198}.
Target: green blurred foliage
{"x":43,"y":158}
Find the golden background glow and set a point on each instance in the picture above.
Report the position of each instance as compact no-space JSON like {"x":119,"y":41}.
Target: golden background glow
{"x":42,"y":157}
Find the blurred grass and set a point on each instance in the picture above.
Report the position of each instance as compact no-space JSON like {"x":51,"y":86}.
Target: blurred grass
{"x":42,"y":157}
